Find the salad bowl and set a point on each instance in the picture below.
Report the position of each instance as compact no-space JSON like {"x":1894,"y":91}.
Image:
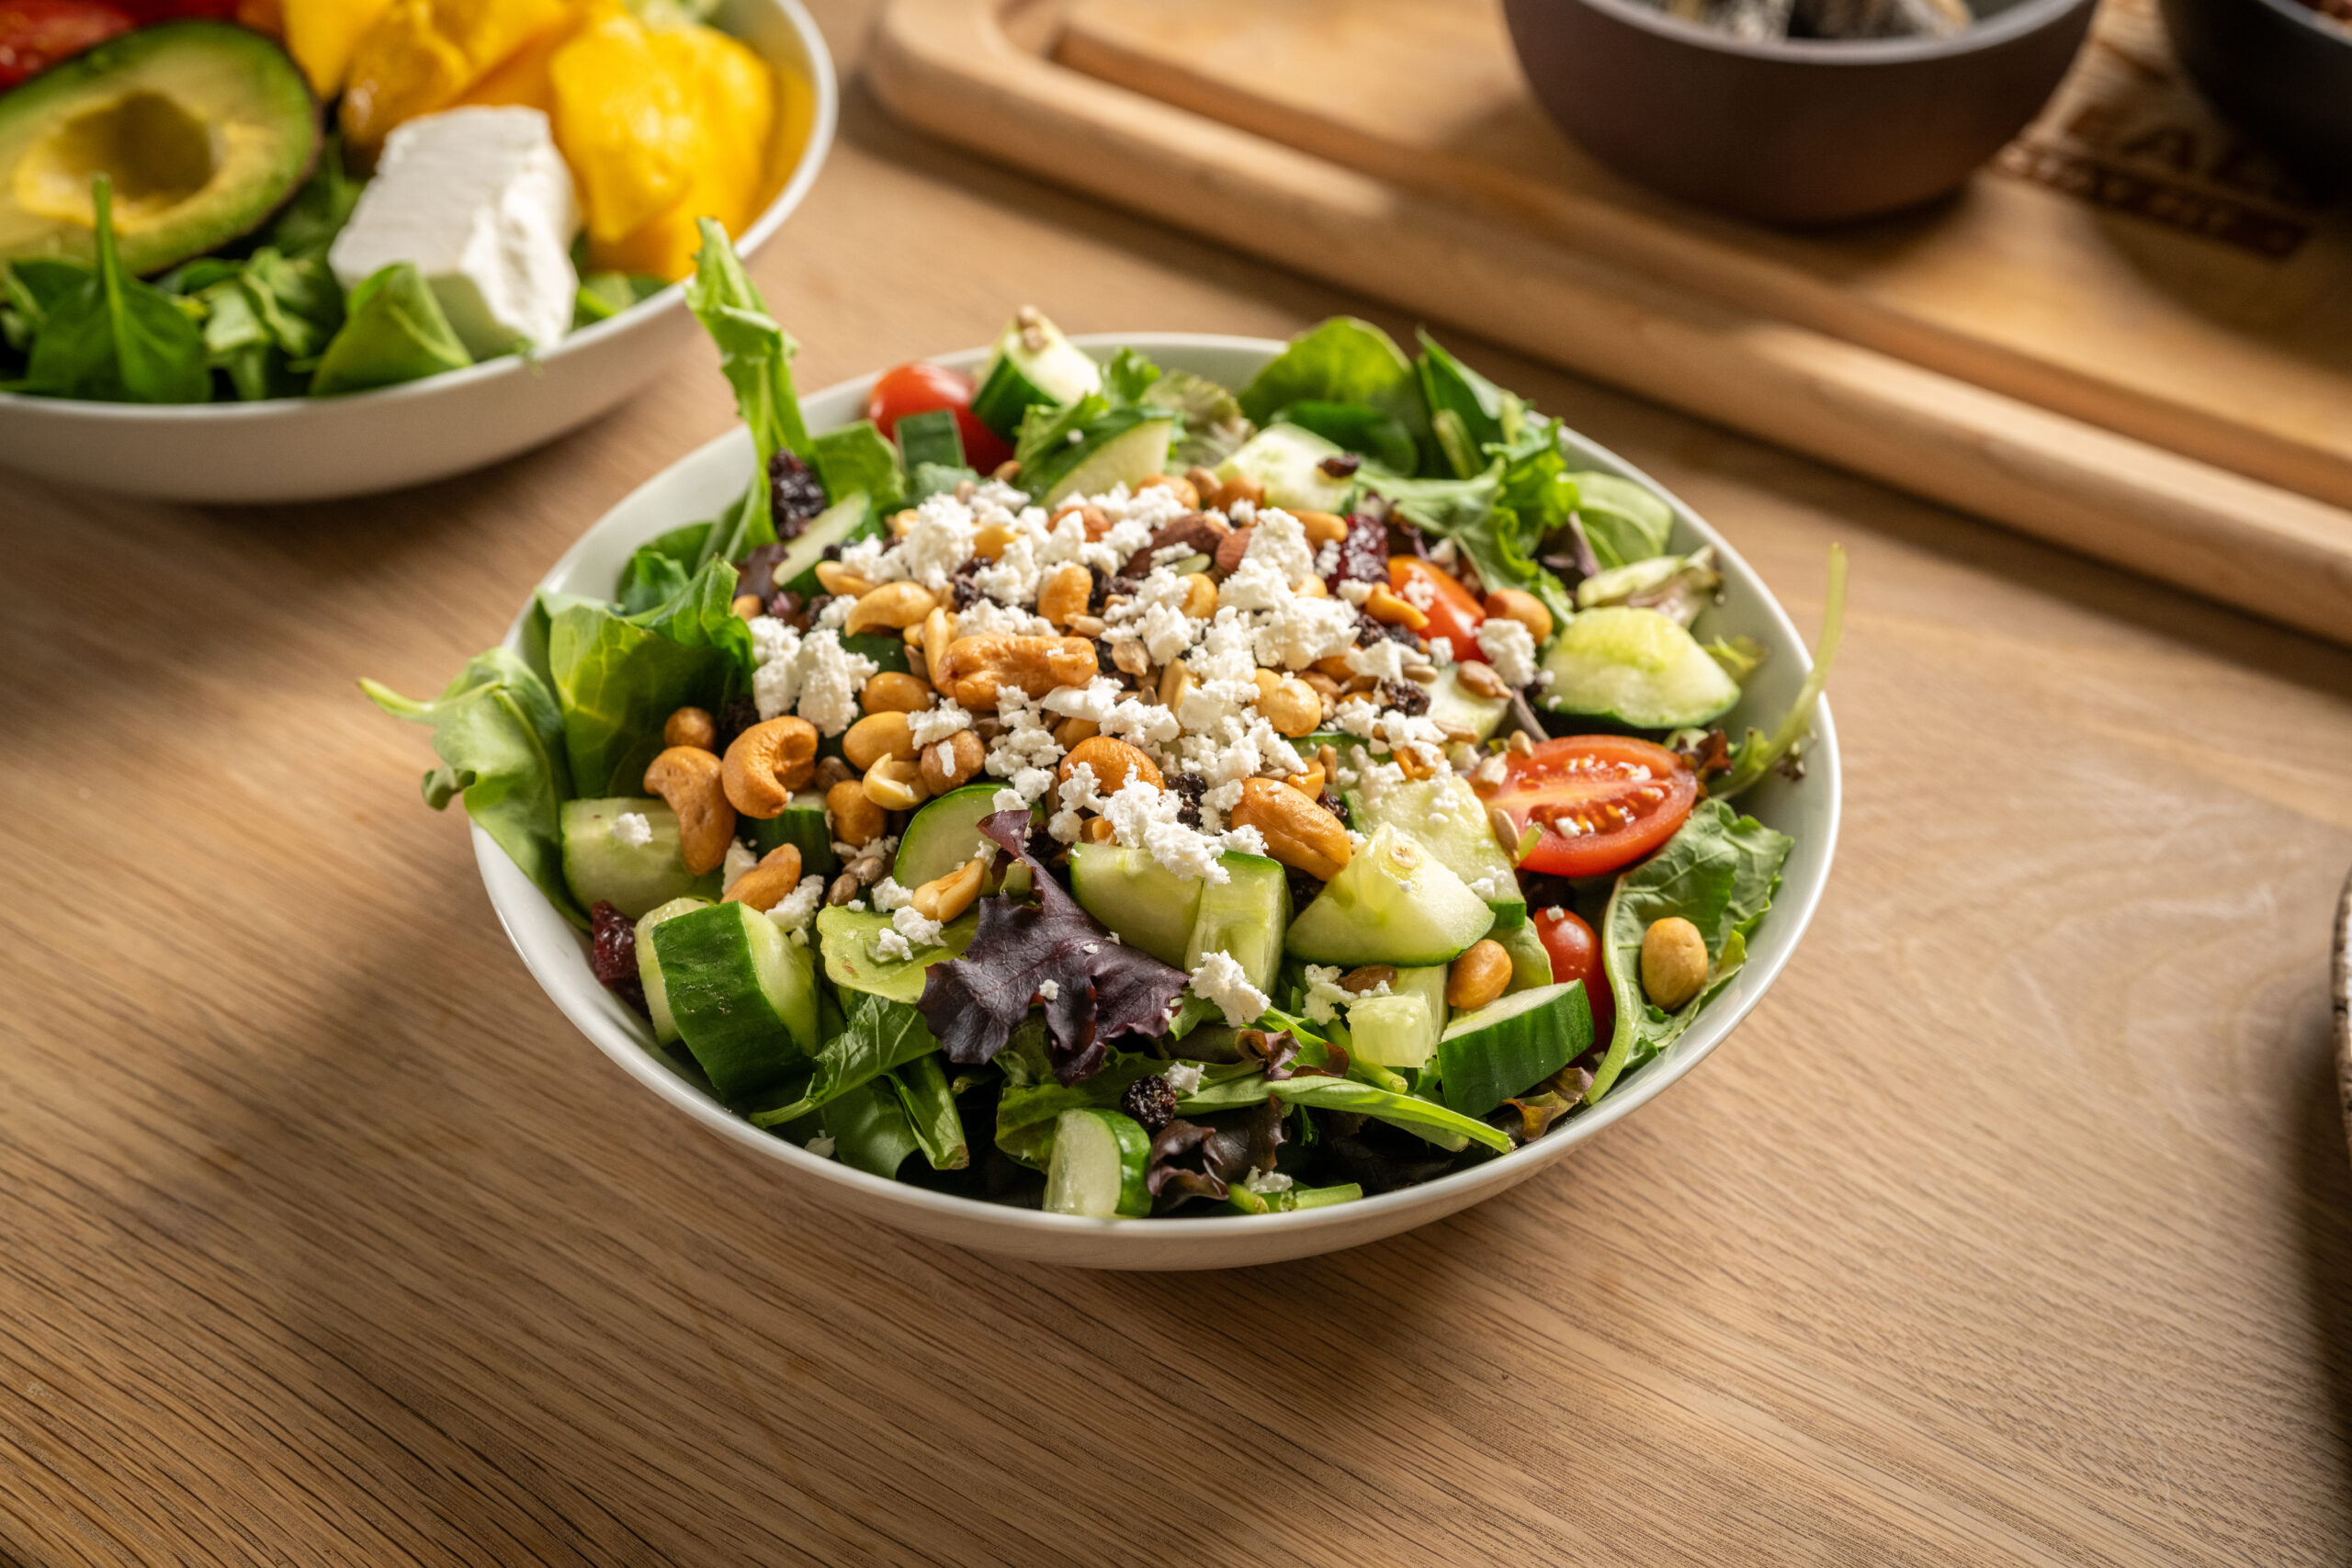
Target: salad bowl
{"x":296,"y":449}
{"x":705,"y":481}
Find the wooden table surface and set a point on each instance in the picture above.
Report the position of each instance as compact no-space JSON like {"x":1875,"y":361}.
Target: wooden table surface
{"x":2011,"y":1228}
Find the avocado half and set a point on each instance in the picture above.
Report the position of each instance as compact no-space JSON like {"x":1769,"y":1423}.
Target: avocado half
{"x":204,"y":129}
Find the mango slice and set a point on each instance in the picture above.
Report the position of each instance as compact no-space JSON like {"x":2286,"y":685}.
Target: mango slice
{"x":420,"y":56}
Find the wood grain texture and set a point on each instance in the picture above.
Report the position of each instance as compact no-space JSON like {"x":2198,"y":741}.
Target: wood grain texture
{"x":967,"y":71}
{"x":2011,"y":1229}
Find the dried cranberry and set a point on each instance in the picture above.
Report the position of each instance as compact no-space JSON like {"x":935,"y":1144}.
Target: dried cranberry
{"x":794,"y":495}
{"x":1101,"y":589}
{"x":1340,"y":464}
{"x":1404,"y":696}
{"x":1151,"y":1102}
{"x":612,"y":953}
{"x":1363,"y":554}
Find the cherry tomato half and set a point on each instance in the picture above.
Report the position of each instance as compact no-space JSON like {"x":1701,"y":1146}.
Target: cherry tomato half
{"x":1575,"y":952}
{"x":919,"y":387}
{"x":1454,"y":615}
{"x":1597,"y":802}
{"x":36,"y":34}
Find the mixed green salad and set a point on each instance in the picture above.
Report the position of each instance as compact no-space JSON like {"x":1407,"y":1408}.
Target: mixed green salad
{"x":1236,"y":799}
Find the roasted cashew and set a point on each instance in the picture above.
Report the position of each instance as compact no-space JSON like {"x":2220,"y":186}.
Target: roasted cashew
{"x":1113,"y":762}
{"x":1299,"y":833}
{"x":687,"y":778}
{"x":891,"y":608}
{"x":1067,"y":591}
{"x":767,"y":762}
{"x":769,"y":882}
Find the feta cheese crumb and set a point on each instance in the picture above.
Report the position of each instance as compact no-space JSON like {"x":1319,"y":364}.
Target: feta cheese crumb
{"x":888,"y":897}
{"x":1184,"y":1077}
{"x":1419,"y":591}
{"x":797,"y":907}
{"x":890,"y":944}
{"x":821,"y":1146}
{"x":915,"y":929}
{"x":1220,"y":980}
{"x":1509,"y":647}
{"x":630,"y":828}
{"x":1049,"y":990}
{"x":1267,"y":1182}
{"x":1324,"y":995}
{"x":741,"y":858}
{"x":934,"y":725}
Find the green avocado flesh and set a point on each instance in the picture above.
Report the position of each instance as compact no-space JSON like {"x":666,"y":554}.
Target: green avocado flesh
{"x":203,"y":129}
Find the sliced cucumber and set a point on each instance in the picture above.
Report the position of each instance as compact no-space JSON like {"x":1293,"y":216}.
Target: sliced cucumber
{"x":802,"y":825}
{"x":649,"y":966}
{"x":1393,"y":1030}
{"x":1636,"y":667}
{"x":846,"y":937}
{"x":1243,"y":917}
{"x":930,"y":437}
{"x":604,"y":868}
{"x":743,"y":996}
{"x":1098,"y":1166}
{"x":1452,"y":703}
{"x":1035,"y":364}
{"x":1531,"y":965}
{"x":1122,"y":457}
{"x":1509,"y":1046}
{"x":944,"y":835}
{"x":1393,"y":903}
{"x":1147,"y":906}
{"x":1287,"y":460}
{"x":1445,"y":814}
{"x":844,"y":523}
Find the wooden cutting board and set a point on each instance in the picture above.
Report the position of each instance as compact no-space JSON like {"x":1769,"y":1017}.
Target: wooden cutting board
{"x":2132,"y":334}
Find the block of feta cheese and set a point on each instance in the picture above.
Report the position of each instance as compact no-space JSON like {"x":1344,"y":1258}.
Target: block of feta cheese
{"x":481,"y":202}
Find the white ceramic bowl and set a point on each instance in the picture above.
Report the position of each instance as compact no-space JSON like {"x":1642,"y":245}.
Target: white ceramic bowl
{"x":319,"y":448}
{"x":557,"y":955}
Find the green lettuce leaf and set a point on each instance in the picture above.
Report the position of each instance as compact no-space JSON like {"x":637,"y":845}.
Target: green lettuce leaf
{"x":1025,"y":1112}
{"x":1719,"y":872}
{"x":882,"y":1035}
{"x":869,"y":1128}
{"x":930,"y":1105}
{"x":1758,"y":753}
{"x":617,"y":677}
{"x":1468,"y":413}
{"x":1423,"y":1118}
{"x":1214,"y":427}
{"x":1624,"y":521}
{"x":859,"y":457}
{"x":755,"y":356}
{"x":1343,"y":360}
{"x":501,"y":742}
{"x":1359,"y":428}
{"x":1128,"y":379}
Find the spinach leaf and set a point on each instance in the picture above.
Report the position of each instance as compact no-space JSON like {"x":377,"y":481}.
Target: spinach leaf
{"x":882,"y":1035}
{"x":755,"y":356}
{"x":1128,"y":380}
{"x":307,"y":226}
{"x":1625,"y":522}
{"x":1215,"y":427}
{"x":267,"y":319}
{"x":116,"y":339}
{"x":1468,"y":413}
{"x":1025,"y":1112}
{"x":929,"y":1104}
{"x":653,"y":577}
{"x":1423,"y":1118}
{"x":1342,"y":361}
{"x":617,"y":676}
{"x":1719,"y":872}
{"x":1756,"y":754}
{"x":859,"y":457}
{"x":393,"y":331}
{"x":870,"y":1129}
{"x":1359,"y":427}
{"x":501,"y":742}
{"x":604,"y":295}
{"x":30,"y":289}
{"x":238,"y":344}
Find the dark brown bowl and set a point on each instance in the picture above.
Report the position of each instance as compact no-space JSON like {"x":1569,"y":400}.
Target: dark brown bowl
{"x":1801,"y":132}
{"x":2279,"y":69}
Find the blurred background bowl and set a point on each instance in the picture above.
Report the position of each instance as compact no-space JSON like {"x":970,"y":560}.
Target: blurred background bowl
{"x":2279,"y":69}
{"x":1801,"y":131}
{"x":288,"y":450}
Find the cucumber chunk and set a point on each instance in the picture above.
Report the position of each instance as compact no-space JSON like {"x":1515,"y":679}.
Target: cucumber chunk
{"x":1287,"y":460}
{"x":1098,"y":1166}
{"x":1509,"y":1046}
{"x":1393,"y":1030}
{"x":743,"y":996}
{"x":1144,"y":905}
{"x":601,"y":866}
{"x":802,"y":825}
{"x":844,"y":523}
{"x":1035,"y":364}
{"x":1452,"y":703}
{"x":1395,"y":902}
{"x":1128,"y":459}
{"x":930,"y":437}
{"x":1447,"y":815}
{"x":846,"y":938}
{"x":649,"y":966}
{"x":944,"y":835}
{"x":1636,"y":667}
{"x":1243,"y":917}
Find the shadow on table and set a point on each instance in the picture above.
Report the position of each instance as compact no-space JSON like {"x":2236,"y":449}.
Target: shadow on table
{"x":2325,"y":1218}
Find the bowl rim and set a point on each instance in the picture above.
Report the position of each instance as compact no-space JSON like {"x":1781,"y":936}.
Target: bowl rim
{"x":506,"y":883}
{"x":822,"y":125}
{"x":2017,"y":21}
{"x":2338,"y":35}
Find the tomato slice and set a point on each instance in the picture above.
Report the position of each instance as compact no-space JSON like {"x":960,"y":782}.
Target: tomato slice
{"x":1597,"y":802}
{"x":1574,"y":954}
{"x":1454,"y":615}
{"x":919,"y":387}
{"x":36,"y":34}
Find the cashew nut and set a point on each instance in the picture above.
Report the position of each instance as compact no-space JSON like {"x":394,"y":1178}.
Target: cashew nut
{"x":1097,"y":830}
{"x":1478,"y":975}
{"x":1382,"y":605}
{"x":687,"y":778}
{"x":1518,"y":604}
{"x":938,"y":635}
{"x":1200,"y":595}
{"x":891,"y":608}
{"x":977,"y":668}
{"x":1322,"y":527}
{"x":1674,"y":962}
{"x":1066,"y":592}
{"x":856,"y":820}
{"x":946,"y":764}
{"x":1299,"y":833}
{"x":769,"y":882}
{"x":1070,"y":731}
{"x":1183,"y":489}
{"x":746,"y":606}
{"x":690,"y":727}
{"x":945,"y":897}
{"x":1310,"y":782}
{"x":840,"y":581}
{"x":1287,"y":703}
{"x":895,"y":783}
{"x":877,"y":735}
{"x":767,"y":762}
{"x":895,"y":692}
{"x":1113,"y":762}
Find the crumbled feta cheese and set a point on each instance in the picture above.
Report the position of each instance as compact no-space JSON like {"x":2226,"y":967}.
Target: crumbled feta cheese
{"x":1509,"y":647}
{"x":1144,"y":817}
{"x":1383,"y":660}
{"x":1324,"y":995}
{"x":889,"y":897}
{"x":830,"y":677}
{"x":741,"y":858}
{"x":1419,"y":591}
{"x":797,"y":907}
{"x":1267,"y":1182}
{"x":821,"y":1146}
{"x":1184,"y":1078}
{"x":1049,"y":990}
{"x":1009,"y":800}
{"x":1356,"y":592}
{"x":1221,"y":980}
{"x":630,"y":828}
{"x":888,"y":943}
{"x":918,"y":931}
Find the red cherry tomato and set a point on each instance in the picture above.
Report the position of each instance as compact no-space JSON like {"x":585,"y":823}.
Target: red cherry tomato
{"x":1454,"y":615}
{"x":919,"y":387}
{"x":1575,"y":952}
{"x":1597,"y":802}
{"x":36,"y":34}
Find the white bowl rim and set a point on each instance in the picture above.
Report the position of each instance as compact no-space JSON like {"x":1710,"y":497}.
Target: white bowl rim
{"x":1654,"y":1078}
{"x":670,"y":297}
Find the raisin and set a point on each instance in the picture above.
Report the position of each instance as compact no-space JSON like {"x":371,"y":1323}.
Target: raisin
{"x":755,"y":573}
{"x":1100,"y":591}
{"x":1304,"y":889}
{"x":966,"y":591}
{"x":1340,"y":464}
{"x":612,"y":953}
{"x":738,"y":714}
{"x":784,"y":604}
{"x":1187,"y":788}
{"x":1151,"y":1102}
{"x":1404,"y":697}
{"x":794,"y":495}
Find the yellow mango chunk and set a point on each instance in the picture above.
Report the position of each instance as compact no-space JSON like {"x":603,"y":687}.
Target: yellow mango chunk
{"x":420,"y":56}
{"x":321,"y":34}
{"x":523,"y":80}
{"x":624,"y":123}
{"x":737,"y":101}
